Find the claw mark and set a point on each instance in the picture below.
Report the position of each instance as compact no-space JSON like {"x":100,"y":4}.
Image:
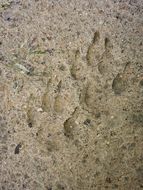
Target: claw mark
{"x":59,"y":86}
{"x":96,"y":37}
{"x":59,"y":104}
{"x":87,"y":96}
{"x":30,"y":117}
{"x":17,"y":149}
{"x":108,"y":47}
{"x":77,"y":65}
{"x":46,"y":99}
{"x":91,"y":50}
{"x":105,"y":63}
{"x":108,"y":44}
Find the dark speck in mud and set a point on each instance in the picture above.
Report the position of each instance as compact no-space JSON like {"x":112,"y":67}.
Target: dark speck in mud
{"x":30,"y":69}
{"x":8,"y":19}
{"x":62,"y":67}
{"x":87,"y":122}
{"x":141,"y":83}
{"x":43,"y":63}
{"x":24,"y":186}
{"x":49,"y":188}
{"x":108,"y":180}
{"x":17,"y":149}
{"x":60,"y":187}
{"x":50,"y":51}
{"x":30,"y":124}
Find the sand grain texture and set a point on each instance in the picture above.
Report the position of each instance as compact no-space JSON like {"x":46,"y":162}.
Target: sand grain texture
{"x":71,"y":95}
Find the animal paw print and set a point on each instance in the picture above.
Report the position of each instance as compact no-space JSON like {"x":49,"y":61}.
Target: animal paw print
{"x":93,"y":98}
{"x":119,"y":84}
{"x":70,"y":124}
{"x":78,"y":66}
{"x":106,"y":62}
{"x":123,"y":80}
{"x":96,"y":56}
{"x":46,"y":101}
{"x":92,"y":49}
{"x":100,"y":56}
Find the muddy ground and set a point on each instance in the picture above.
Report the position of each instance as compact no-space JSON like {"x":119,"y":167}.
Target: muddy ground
{"x":71,"y":94}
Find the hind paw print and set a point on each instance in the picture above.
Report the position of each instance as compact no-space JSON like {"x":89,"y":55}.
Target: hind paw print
{"x":99,"y":54}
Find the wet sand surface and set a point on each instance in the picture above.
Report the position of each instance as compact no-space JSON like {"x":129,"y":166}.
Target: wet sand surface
{"x":71,"y":94}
